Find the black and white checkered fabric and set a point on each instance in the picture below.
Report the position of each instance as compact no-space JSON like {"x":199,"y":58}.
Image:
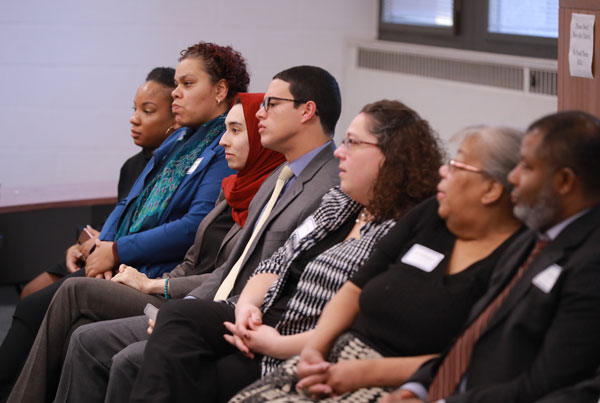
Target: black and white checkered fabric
{"x":280,"y":385}
{"x":323,"y":275}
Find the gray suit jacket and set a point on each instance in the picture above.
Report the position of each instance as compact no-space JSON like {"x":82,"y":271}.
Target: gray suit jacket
{"x":300,"y":200}
{"x":185,"y":277}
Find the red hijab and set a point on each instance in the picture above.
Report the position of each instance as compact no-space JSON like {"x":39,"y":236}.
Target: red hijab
{"x":239,"y":189}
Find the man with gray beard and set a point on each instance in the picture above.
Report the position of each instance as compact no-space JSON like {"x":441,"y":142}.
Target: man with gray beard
{"x":537,"y":329}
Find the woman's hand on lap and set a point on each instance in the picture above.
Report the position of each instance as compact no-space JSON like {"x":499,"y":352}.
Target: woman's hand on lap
{"x":236,"y":340}
{"x":312,"y":373}
{"x":247,"y":317}
{"x":101,"y":260}
{"x":131,"y":277}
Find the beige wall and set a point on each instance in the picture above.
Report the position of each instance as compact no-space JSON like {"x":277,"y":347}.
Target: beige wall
{"x":69,"y":71}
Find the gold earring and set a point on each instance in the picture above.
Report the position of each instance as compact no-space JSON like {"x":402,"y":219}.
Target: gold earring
{"x":218,"y":101}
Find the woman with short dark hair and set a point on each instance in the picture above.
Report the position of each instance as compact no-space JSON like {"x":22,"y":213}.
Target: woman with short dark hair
{"x":153,"y":227}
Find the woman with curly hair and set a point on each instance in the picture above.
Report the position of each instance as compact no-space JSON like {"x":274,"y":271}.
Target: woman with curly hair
{"x":410,"y":298}
{"x":153,"y":227}
{"x":283,"y":299}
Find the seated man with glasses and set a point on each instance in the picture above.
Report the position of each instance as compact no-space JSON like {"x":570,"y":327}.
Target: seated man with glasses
{"x":305,"y":139}
{"x":267,"y":102}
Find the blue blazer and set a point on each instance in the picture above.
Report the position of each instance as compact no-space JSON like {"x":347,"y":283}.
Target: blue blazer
{"x":161,"y":248}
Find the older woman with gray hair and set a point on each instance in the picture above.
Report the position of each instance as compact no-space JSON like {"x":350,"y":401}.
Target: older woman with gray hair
{"x":412,"y":295}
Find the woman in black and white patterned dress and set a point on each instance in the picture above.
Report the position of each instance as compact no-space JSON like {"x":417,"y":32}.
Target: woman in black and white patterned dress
{"x":414,"y":292}
{"x":381,"y":179}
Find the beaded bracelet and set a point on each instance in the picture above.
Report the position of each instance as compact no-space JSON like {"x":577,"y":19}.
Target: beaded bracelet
{"x":166,"y":288}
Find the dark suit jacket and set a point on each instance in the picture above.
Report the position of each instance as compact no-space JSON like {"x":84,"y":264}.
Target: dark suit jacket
{"x":587,"y":391}
{"x":537,"y":341}
{"x":298,"y":202}
{"x":185,"y":277}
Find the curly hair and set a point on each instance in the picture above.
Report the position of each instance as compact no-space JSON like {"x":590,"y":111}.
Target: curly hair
{"x":413,"y":156}
{"x":221,"y":63}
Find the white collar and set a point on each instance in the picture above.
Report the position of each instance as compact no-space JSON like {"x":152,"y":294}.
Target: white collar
{"x":552,"y":233}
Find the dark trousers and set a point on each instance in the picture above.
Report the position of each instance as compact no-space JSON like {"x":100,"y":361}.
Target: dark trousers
{"x":27,"y":318}
{"x":188,"y":360}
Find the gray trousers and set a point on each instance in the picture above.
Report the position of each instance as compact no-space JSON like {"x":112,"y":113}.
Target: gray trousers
{"x":103,"y":360}
{"x":77,"y":302}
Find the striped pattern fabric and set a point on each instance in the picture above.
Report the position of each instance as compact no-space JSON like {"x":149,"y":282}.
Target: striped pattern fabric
{"x":323,"y":275}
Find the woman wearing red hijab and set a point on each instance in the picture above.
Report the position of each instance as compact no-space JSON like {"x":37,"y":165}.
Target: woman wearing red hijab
{"x":254,"y":163}
{"x":84,"y":300}
{"x":239,"y":189}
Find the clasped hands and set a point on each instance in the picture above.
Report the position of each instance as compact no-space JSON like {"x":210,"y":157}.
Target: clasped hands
{"x":130,"y":276}
{"x":100,"y":263}
{"x":249,"y":334}
{"x":319,"y":378}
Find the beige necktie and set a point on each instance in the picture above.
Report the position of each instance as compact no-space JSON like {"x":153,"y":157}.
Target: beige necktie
{"x":227,"y":284}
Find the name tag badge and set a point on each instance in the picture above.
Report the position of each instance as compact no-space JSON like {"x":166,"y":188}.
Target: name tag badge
{"x":305,"y":228}
{"x":194,"y":166}
{"x":546,"y":279}
{"x":422,"y":258}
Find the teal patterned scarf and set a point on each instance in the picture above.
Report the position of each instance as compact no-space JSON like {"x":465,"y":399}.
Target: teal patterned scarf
{"x":157,"y":194}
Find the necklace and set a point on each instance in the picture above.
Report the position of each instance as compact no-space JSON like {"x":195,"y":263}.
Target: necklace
{"x":363,"y":217}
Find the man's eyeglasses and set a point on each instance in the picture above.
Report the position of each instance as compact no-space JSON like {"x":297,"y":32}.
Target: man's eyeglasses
{"x":267,"y":102}
{"x":454,"y":164}
{"x":350,"y":143}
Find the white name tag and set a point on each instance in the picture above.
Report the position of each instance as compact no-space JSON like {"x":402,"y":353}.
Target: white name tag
{"x":422,"y":257}
{"x":546,"y":279}
{"x":305,"y":228}
{"x":194,"y":166}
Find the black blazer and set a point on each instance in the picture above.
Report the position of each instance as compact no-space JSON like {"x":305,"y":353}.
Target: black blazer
{"x":537,"y":341}
{"x":587,"y":391}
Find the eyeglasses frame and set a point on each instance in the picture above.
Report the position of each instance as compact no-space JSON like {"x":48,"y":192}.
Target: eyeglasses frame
{"x":348,"y":143}
{"x":265,"y":103}
{"x":465,"y":167}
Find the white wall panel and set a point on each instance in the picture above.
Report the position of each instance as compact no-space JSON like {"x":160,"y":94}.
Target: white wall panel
{"x":69,"y":71}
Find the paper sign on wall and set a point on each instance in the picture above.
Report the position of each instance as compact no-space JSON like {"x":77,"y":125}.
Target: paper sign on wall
{"x":581,"y":48}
